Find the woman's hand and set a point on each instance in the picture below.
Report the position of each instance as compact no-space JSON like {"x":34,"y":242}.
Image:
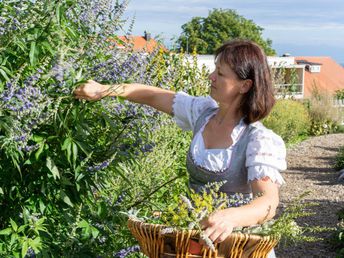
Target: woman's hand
{"x":91,"y":90}
{"x":218,"y":226}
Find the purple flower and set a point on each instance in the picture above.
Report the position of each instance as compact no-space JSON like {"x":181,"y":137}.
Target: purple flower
{"x":100,"y":166}
{"x":120,"y":199}
{"x":30,"y":253}
{"x":126,"y":251}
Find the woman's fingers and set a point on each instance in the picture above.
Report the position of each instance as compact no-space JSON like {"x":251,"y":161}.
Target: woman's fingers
{"x":222,"y":236}
{"x":217,"y":228}
{"x":91,"y":90}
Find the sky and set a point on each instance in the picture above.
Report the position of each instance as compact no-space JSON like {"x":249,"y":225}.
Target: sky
{"x":298,"y":27}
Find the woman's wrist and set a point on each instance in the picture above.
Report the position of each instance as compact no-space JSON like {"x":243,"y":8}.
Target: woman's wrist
{"x":115,"y":90}
{"x":234,"y":215}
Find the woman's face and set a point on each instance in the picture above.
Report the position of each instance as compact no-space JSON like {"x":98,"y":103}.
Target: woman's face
{"x":225,"y":84}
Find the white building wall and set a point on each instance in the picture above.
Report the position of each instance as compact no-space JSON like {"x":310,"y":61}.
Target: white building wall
{"x":207,"y":60}
{"x":276,"y":61}
{"x":273,"y":61}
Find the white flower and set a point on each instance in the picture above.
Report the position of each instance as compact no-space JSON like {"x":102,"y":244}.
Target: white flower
{"x":208,"y":242}
{"x":191,"y":225}
{"x":187,"y":202}
{"x":167,"y":231}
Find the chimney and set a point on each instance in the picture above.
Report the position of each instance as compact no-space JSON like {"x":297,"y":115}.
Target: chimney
{"x":147,"y":36}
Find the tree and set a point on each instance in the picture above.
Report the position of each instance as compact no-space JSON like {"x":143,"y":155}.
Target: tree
{"x":205,"y":35}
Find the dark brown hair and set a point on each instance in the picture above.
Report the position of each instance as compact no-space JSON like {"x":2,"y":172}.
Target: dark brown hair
{"x":249,"y":61}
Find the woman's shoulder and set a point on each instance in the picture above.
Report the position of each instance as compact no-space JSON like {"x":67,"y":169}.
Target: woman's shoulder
{"x":260,"y":133}
{"x":197,"y":101}
{"x":265,"y":147}
{"x":187,"y":108}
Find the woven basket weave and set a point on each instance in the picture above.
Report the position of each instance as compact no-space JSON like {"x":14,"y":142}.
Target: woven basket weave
{"x":153,"y":243}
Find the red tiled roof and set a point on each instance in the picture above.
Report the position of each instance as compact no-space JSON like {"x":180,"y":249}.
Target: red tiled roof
{"x":330,"y":78}
{"x":140,"y":43}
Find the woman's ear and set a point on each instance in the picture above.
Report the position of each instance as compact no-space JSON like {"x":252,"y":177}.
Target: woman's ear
{"x":246,"y":86}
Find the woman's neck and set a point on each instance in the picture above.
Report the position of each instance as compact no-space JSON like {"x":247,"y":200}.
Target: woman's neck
{"x":228,"y":115}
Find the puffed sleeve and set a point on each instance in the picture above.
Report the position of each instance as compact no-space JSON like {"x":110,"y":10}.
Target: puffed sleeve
{"x":186,"y":109}
{"x":265,"y":155}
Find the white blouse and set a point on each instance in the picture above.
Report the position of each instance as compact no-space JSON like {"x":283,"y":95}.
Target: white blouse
{"x":265,"y":154}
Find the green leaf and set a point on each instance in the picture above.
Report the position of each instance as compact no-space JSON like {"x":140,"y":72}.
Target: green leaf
{"x":48,"y":47}
{"x":36,"y":244}
{"x":21,"y":45}
{"x":41,"y":206}
{"x":6,"y":70}
{"x":25,"y":247}
{"x":14,"y":238}
{"x":28,"y":162}
{"x":66,"y":142}
{"x":4,"y":61}
{"x":75,"y":152}
{"x":4,"y":74}
{"x":21,"y":228}
{"x":58,"y":13}
{"x":66,"y":199}
{"x":39,"y":151}
{"x":37,"y":138}
{"x":83,"y":224}
{"x":14,"y":225}
{"x":40,"y":221}
{"x":71,"y":33}
{"x":120,"y":99}
{"x":52,"y":167}
{"x":78,"y":75}
{"x":67,"y":145}
{"x":95,"y":232}
{"x":122,"y":168}
{"x":33,"y":50}
{"x":6,"y":231}
{"x":83,"y":147}
{"x":79,"y":177}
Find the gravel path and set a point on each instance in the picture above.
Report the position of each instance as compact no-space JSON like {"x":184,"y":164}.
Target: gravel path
{"x":310,"y":168}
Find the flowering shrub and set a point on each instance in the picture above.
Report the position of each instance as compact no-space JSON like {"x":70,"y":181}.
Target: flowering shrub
{"x":289,"y":119}
{"x":60,"y":157}
{"x":325,"y":117}
{"x":56,"y":152}
{"x":175,"y":71}
{"x":340,"y":94}
{"x":321,"y":127}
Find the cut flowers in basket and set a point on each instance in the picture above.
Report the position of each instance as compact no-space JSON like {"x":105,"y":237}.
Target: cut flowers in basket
{"x":188,"y":211}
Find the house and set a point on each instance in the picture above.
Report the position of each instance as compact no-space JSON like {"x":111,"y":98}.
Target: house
{"x":143,"y":43}
{"x":288,"y":77}
{"x":306,"y":74}
{"x":298,"y":76}
{"x":323,"y":73}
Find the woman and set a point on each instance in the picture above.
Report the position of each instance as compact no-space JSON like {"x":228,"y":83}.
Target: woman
{"x":229,"y":142}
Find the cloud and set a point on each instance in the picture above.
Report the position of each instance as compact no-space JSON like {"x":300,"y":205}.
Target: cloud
{"x":284,"y":21}
{"x":304,"y":26}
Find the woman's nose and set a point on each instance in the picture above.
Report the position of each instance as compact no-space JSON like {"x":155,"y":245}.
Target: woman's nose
{"x":212,"y":76}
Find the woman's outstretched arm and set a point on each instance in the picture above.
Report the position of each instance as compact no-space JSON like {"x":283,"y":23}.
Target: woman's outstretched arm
{"x":157,"y":98}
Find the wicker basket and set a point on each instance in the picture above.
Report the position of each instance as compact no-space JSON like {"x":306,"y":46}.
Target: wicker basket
{"x":156,"y":245}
